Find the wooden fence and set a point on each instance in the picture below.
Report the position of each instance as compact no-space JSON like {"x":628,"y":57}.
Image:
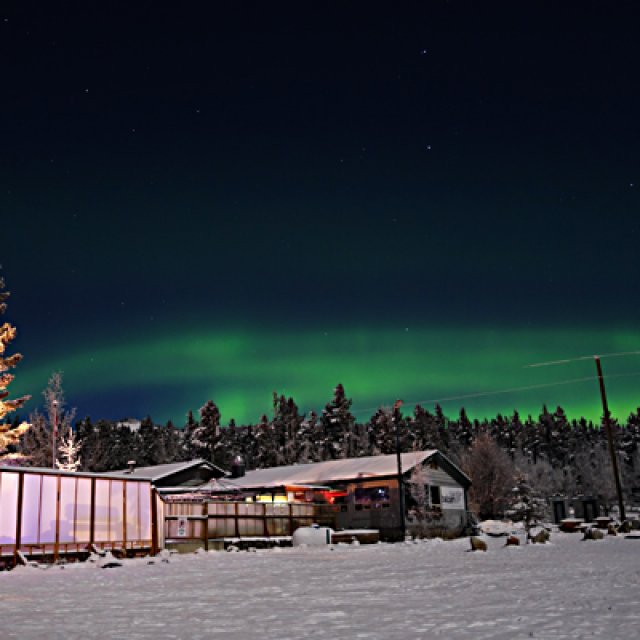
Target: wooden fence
{"x":214,"y":521}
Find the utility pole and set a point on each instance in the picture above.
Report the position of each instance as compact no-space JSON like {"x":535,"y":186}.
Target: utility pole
{"x":395,"y":417}
{"x":612,"y":452}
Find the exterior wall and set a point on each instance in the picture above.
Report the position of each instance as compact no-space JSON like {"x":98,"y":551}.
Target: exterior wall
{"x":383,"y":515}
{"x":449,"y":518}
{"x":46,"y":514}
{"x":446,"y":517}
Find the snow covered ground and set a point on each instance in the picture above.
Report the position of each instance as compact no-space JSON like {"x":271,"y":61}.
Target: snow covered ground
{"x":566,"y":589}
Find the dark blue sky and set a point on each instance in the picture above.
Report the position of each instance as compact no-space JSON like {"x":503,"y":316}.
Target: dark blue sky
{"x":287,"y":170}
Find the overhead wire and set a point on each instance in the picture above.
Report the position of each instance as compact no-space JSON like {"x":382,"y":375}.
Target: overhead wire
{"x":482,"y":394}
{"x":567,"y":360}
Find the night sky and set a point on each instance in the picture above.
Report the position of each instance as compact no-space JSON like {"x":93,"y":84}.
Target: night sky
{"x":413,"y":199}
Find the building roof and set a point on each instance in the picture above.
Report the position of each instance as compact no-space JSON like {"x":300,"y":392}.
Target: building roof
{"x":320,"y":473}
{"x":72,"y":474}
{"x":160,"y":471}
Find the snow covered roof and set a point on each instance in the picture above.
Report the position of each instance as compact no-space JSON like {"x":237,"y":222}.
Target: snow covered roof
{"x":319,"y":473}
{"x":160,"y":471}
{"x":74,"y":474}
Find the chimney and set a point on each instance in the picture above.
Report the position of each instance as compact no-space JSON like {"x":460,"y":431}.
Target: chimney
{"x":238,"y":467}
{"x":131,"y":464}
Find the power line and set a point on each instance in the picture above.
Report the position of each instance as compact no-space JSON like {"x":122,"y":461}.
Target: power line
{"x":607,"y":355}
{"x":482,"y":394}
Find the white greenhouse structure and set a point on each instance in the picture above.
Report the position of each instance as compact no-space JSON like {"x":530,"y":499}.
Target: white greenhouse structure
{"x":46,"y":513}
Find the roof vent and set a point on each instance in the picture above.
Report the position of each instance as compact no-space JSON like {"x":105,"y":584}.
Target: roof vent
{"x":131,"y":464}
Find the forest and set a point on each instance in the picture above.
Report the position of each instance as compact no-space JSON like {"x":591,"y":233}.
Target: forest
{"x":556,"y":455}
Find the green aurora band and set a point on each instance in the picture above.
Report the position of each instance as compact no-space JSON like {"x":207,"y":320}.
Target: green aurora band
{"x":167,"y":373}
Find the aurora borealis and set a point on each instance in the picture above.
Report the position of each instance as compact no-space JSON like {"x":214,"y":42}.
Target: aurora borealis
{"x":240,"y":369}
{"x":223,"y":202}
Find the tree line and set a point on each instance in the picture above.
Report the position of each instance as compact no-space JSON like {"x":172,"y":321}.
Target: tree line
{"x":557,"y":455}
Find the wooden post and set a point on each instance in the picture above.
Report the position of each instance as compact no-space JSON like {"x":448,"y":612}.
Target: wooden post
{"x":19,"y":518}
{"x":154,"y":522}
{"x":124,"y":515}
{"x":56,"y":543}
{"x":92,"y":516}
{"x":205,"y":525}
{"x":237,"y":520}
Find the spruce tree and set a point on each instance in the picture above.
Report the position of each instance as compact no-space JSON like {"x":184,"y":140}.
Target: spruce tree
{"x":338,"y":422}
{"x":35,"y":445}
{"x":206,"y":435}
{"x":171,"y":442}
{"x":9,"y":433}
{"x":125,"y":447}
{"x":266,"y":445}
{"x":149,"y":444}
{"x":188,"y":448}
{"x":101,"y":450}
{"x":285,"y":426}
{"x":305,"y":445}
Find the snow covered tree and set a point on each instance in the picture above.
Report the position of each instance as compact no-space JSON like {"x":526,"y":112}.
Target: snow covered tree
{"x":69,"y":452}
{"x":528,"y":506}
{"x":285,"y":427}
{"x":188,"y":447}
{"x":9,"y":433}
{"x":35,"y":445}
{"x":38,"y":444}
{"x":338,"y":422}
{"x":383,"y":430}
{"x":306,"y":449}
{"x":149,"y":445}
{"x":206,"y":435}
{"x":266,"y":447}
{"x":171,"y":443}
{"x":429,"y":429}
{"x":125,"y":446}
{"x":101,"y":450}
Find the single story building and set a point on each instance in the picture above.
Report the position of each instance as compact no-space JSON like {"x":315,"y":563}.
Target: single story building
{"x":363,"y":492}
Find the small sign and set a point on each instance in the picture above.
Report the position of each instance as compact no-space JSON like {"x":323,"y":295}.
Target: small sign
{"x":182,"y":528}
{"x":452,"y":497}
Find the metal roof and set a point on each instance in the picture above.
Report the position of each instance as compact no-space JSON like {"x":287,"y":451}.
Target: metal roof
{"x":160,"y":471}
{"x":320,"y":473}
{"x":74,"y":474}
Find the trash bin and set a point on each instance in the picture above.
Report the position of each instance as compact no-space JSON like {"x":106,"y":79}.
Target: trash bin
{"x":586,"y":507}
{"x":559,"y":508}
